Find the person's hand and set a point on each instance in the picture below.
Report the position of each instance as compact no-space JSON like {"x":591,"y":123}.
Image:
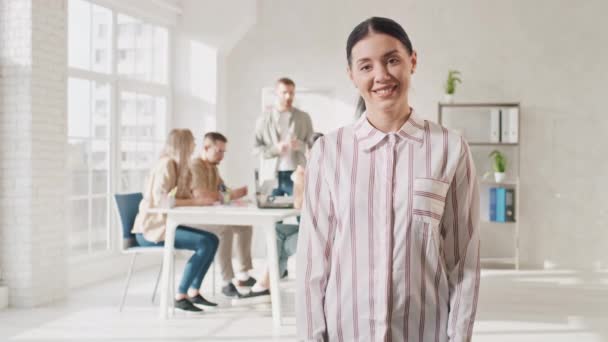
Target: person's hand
{"x":239,"y":192}
{"x":283,"y":147}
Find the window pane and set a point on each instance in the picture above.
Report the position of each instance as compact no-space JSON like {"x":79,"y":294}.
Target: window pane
{"x":128,"y":115}
{"x":146,"y":153}
{"x":79,"y":34}
{"x":89,"y":36}
{"x":160,"y":119}
{"x":88,"y":108}
{"x":79,"y":107}
{"x":99,"y":221}
{"x":143,"y":52}
{"x":126,"y":27}
{"x":78,"y":167}
{"x":101,"y":39}
{"x":78,"y":221}
{"x":161,"y":49}
{"x":101,"y":110}
{"x":145,"y":117}
{"x":133,"y":179}
{"x":100,"y":164}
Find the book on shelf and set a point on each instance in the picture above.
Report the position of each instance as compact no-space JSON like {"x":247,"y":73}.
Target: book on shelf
{"x":509,"y":123}
{"x":510,"y":205}
{"x":495,"y":125}
{"x":492,"y":204}
{"x":502,"y":204}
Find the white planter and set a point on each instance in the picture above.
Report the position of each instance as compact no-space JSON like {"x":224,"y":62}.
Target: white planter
{"x":499,"y":177}
{"x":448,"y":98}
{"x":3,"y":297}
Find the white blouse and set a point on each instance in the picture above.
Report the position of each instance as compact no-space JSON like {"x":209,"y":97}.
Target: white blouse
{"x":389,"y":245}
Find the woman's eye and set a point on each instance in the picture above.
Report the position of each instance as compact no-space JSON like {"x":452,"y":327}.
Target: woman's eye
{"x":393,"y":60}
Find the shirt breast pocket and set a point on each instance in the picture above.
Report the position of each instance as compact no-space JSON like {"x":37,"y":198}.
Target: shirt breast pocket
{"x":429,"y":200}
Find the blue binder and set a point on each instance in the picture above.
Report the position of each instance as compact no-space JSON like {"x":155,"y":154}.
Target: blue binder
{"x":498,"y":204}
{"x":493,"y":204}
{"x":501,"y":205}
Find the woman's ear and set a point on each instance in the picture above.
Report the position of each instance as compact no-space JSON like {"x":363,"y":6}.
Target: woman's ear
{"x":414,"y":61}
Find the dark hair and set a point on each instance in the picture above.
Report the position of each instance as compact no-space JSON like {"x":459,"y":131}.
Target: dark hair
{"x":215,"y":136}
{"x":286,"y":81}
{"x":375,"y":25}
{"x":314,"y":137}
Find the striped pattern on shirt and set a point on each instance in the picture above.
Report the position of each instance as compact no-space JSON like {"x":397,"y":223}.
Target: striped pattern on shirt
{"x":389,"y":245}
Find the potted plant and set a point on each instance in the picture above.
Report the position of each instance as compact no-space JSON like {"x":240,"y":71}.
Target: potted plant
{"x":499,"y":164}
{"x":450,"y":85}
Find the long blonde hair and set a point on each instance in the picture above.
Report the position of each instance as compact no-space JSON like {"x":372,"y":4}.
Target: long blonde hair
{"x":178,"y":147}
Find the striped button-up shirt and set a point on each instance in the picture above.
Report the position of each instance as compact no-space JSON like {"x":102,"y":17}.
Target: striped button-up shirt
{"x":389,"y":245}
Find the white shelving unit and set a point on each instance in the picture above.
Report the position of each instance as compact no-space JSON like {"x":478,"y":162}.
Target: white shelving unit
{"x":473,"y":121}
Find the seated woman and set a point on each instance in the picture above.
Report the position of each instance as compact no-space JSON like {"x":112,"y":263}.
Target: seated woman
{"x":287,"y":234}
{"x":172,"y":172}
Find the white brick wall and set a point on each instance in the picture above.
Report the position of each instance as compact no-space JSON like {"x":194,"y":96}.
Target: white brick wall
{"x":33,"y":124}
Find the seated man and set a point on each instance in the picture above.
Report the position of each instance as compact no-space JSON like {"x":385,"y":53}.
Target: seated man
{"x":206,"y":182}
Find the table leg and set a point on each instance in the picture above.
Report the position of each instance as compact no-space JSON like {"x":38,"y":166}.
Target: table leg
{"x":273,"y":267}
{"x":168,"y":255}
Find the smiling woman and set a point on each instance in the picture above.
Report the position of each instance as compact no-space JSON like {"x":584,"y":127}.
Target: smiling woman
{"x":398,"y":61}
{"x":392,"y":205}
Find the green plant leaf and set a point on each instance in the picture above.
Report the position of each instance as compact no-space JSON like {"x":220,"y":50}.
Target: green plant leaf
{"x":499,"y":162}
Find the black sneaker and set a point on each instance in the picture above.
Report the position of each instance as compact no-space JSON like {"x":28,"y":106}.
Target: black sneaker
{"x":284,"y":275}
{"x":230,"y":290}
{"x":252,"y":297}
{"x":253,"y":294}
{"x":246,"y":283}
{"x":198,"y":299}
{"x":186,"y":305}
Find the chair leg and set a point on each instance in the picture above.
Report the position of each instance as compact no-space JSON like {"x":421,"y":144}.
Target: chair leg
{"x":129,"y":273}
{"x":172,"y":301}
{"x":160,"y":271}
{"x":213,"y":277}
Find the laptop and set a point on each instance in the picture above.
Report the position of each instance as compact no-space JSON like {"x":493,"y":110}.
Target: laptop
{"x":265,"y":201}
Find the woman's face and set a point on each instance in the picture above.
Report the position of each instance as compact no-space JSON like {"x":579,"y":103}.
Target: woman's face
{"x":381,"y":69}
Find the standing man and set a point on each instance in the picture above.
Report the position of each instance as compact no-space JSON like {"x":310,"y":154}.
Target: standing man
{"x":207,"y":183}
{"x":281,"y":136}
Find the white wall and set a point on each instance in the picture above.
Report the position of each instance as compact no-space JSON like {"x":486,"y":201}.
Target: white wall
{"x":33,"y":130}
{"x":206,"y":32}
{"x":550,"y":55}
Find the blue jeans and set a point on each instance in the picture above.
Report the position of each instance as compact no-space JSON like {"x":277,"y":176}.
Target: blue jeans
{"x":285,"y":184}
{"x":204,"y":245}
{"x":287,"y":243}
{"x":285,"y":187}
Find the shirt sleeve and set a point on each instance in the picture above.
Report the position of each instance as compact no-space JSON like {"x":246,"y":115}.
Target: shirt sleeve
{"x":460,"y":231}
{"x":317,"y":228}
{"x":260,"y":145}
{"x":198,"y":175}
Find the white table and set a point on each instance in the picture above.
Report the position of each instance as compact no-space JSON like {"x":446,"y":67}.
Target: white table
{"x":250,"y":215}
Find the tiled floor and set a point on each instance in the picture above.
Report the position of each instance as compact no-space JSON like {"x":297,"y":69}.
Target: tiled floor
{"x":514,"y":306}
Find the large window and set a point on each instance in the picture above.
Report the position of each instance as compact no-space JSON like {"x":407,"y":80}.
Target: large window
{"x":117,"y":113}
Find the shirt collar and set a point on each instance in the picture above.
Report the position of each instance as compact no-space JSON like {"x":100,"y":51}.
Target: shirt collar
{"x":368,"y":136}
